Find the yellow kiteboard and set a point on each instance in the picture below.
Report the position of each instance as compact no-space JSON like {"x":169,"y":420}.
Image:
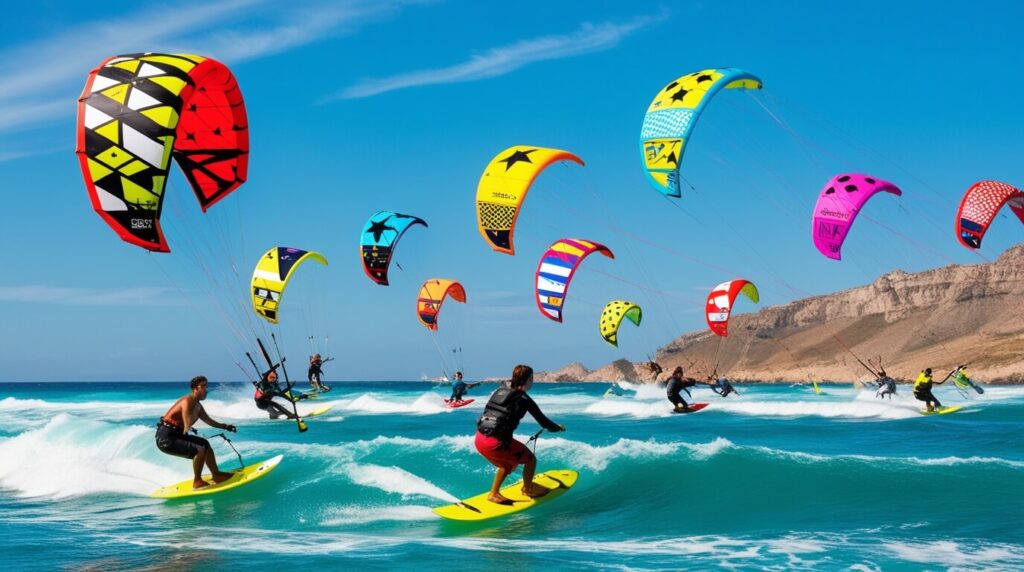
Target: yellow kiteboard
{"x":239,"y":478}
{"x":479,"y":508}
{"x":319,"y":411}
{"x":942,"y":410}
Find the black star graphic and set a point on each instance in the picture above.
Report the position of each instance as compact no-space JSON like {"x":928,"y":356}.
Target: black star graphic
{"x":704,"y":77}
{"x":516,"y":157}
{"x":679,"y":95}
{"x":378,"y":228}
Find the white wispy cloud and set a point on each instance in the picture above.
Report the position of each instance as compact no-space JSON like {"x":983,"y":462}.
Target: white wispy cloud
{"x":144,"y":296}
{"x":43,"y":78}
{"x":587,"y":39}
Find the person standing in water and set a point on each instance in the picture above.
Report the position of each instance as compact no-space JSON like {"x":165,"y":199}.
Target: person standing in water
{"x":494,"y":440}
{"x":923,"y":389}
{"x":173,"y":438}
{"x":460,"y":387}
{"x":266,"y":389}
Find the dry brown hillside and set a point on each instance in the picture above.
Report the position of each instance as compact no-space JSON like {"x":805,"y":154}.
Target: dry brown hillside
{"x":970,"y":314}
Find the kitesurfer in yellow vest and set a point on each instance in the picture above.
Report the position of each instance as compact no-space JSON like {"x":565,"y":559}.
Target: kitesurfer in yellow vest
{"x":923,"y":389}
{"x":173,"y":438}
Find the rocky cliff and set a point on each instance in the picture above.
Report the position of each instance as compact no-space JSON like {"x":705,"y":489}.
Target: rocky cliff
{"x":939,"y":318}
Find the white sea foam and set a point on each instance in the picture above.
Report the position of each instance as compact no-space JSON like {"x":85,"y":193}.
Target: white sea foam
{"x":426,"y":404}
{"x":71,"y":456}
{"x":361,"y":514}
{"x":394,"y":480}
{"x":948,"y":553}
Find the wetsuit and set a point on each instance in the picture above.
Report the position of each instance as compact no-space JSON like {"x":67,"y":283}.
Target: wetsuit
{"x":676,"y":385}
{"x":264,"y":397}
{"x":923,"y":389}
{"x":723,"y":387}
{"x":499,"y":421}
{"x":459,"y":389}
{"x":171,"y":439}
{"x":886,"y":387}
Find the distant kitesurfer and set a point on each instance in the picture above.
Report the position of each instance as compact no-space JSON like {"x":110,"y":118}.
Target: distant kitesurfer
{"x":266,"y":389}
{"x":676,"y":384}
{"x":886,"y":385}
{"x":721,"y":385}
{"x":173,"y":438}
{"x":655,"y":368}
{"x":316,"y":372}
{"x":494,"y":440}
{"x":460,"y":387}
{"x":923,"y":389}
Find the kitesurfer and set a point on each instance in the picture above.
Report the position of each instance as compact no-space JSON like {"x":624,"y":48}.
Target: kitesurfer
{"x":721,"y":386}
{"x":676,"y":384}
{"x":655,"y":368}
{"x":316,"y":372}
{"x":886,"y":385}
{"x":923,"y":389}
{"x":266,"y":389}
{"x":173,"y":438}
{"x":494,"y":440}
{"x":460,"y":387}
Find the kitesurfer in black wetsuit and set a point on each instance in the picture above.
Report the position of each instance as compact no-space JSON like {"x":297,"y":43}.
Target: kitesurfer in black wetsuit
{"x":886,"y":385}
{"x":316,"y":372}
{"x":266,"y":389}
{"x":460,"y":387}
{"x":494,"y":440}
{"x":675,"y":385}
{"x":173,"y":438}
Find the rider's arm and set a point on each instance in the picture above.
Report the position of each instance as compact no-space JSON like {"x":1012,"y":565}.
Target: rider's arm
{"x":209,"y":421}
{"x":534,"y":410}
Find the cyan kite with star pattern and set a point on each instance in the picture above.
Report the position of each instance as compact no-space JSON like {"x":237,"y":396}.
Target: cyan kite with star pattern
{"x":377,"y":242}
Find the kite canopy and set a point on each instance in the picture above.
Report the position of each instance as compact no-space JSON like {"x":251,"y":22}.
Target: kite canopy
{"x":556,"y":269}
{"x":378,"y":240}
{"x":432,"y":296}
{"x":720,"y":302}
{"x":503,"y":188}
{"x":979,"y":207}
{"x":273,"y":272}
{"x":837,"y":207}
{"x":672,"y":115}
{"x":139,"y":110}
{"x":611,"y":319}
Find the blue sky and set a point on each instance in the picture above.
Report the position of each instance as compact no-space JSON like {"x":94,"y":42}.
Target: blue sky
{"x":360,"y":106}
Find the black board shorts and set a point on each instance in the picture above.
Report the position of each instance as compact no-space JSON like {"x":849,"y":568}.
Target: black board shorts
{"x":172,"y":441}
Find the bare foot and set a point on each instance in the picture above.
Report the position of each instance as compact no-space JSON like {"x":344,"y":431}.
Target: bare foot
{"x":198,"y":484}
{"x":535,"y":490}
{"x":498,"y":499}
{"x":221,"y":477}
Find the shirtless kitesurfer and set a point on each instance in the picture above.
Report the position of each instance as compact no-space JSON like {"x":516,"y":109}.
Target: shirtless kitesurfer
{"x":494,"y":440}
{"x":173,"y":438}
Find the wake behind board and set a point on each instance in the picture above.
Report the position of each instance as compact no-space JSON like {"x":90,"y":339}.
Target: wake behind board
{"x":479,"y":508}
{"x":943,"y":410}
{"x":457,"y":404}
{"x":694,"y":407}
{"x":238,"y":478}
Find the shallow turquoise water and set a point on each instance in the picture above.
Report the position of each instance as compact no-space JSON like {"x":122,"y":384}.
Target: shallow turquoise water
{"x":778,"y":478}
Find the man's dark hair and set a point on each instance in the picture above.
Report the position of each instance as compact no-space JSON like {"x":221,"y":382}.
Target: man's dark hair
{"x":197,"y":380}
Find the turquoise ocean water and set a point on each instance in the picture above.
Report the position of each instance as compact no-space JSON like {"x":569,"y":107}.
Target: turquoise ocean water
{"x":779,"y":478}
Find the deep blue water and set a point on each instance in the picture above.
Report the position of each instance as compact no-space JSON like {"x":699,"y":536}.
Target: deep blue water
{"x":779,"y":478}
